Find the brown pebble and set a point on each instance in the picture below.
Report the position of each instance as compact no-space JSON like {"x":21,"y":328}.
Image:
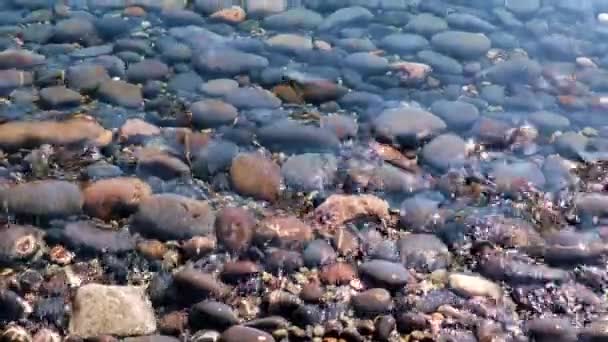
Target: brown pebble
{"x":346,"y":242}
{"x":15,"y":333}
{"x":199,"y":285}
{"x":337,"y":274}
{"x":152,"y":249}
{"x":283,"y":231}
{"x":155,"y":162}
{"x":173,"y":323}
{"x":339,"y":209}
{"x":114,"y":197}
{"x":198,"y":246}
{"x":46,"y":335}
{"x":232,"y":15}
{"x":237,"y":270}
{"x":234,"y":228}
{"x":60,"y":256}
{"x":134,"y":129}
{"x":312,"y":292}
{"x":134,"y":11}
{"x":253,"y":174}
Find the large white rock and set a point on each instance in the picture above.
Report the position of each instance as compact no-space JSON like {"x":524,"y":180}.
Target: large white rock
{"x":111,"y":310}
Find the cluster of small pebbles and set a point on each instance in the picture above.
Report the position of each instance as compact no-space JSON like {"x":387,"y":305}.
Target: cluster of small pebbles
{"x":273,"y":170}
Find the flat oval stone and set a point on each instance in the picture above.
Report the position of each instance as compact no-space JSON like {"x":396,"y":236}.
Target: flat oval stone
{"x":457,"y":115}
{"x":47,"y":198}
{"x":146,"y":70}
{"x":240,"y":333}
{"x":424,"y":252}
{"x":212,"y":113}
{"x":291,"y":136}
{"x":407,"y":125}
{"x":255,"y":175}
{"x":228,"y":62}
{"x":372,"y":302}
{"x":19,"y":243}
{"x":173,"y":217}
{"x":445,"y":152}
{"x":309,"y":171}
{"x":114,"y":197}
{"x":235,"y":228}
{"x":86,"y":236}
{"x":213,"y":315}
{"x":121,"y":93}
{"x":461,"y":44}
{"x":385,"y":273}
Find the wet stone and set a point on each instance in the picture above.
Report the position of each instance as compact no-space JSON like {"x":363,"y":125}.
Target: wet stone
{"x":197,"y":285}
{"x":86,"y":77}
{"x":440,"y":63}
{"x":146,"y":70}
{"x":213,"y":158}
{"x":212,"y":113}
{"x":445,"y":152}
{"x":111,"y":310}
{"x":219,"y":87}
{"x":513,"y":71}
{"x":13,"y":79}
{"x":213,"y":315}
{"x":281,"y":261}
{"x":235,"y":271}
{"x":88,"y":237}
{"x":228,"y":62}
{"x":385,"y":273}
{"x":461,"y":44}
{"x":372,"y":302}
{"x":291,"y":136}
{"x":114,"y":197}
{"x":173,"y":217}
{"x":407,"y":126}
{"x":235,"y":228}
{"x":14,"y":306}
{"x":345,"y":16}
{"x":293,"y":19}
{"x":283,"y":231}
{"x":74,"y":30}
{"x":511,"y":178}
{"x":252,"y":98}
{"x":548,"y":122}
{"x":473,"y":286}
{"x":520,"y":272}
{"x":556,"y":329}
{"x":48,"y":198}
{"x":255,"y":175}
{"x":318,"y":253}
{"x":404,"y":43}
{"x":289,"y":43}
{"x":241,"y":333}
{"x":154,"y":162}
{"x":337,"y":274}
{"x":367,"y":63}
{"x":522,"y":7}
{"x":121,"y":93}
{"x":59,"y":96}
{"x":309,"y":172}
{"x":457,"y":115}
{"x":342,"y":126}
{"x":18,"y":243}
{"x":423,"y":252}
{"x":427,"y":24}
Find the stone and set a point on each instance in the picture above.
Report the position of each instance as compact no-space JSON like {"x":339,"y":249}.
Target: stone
{"x":155,"y":162}
{"x":461,"y":44}
{"x":121,"y":93}
{"x":228,"y":62}
{"x":87,"y":77}
{"x":173,"y":217}
{"x":14,"y":79}
{"x":346,"y":16}
{"x":289,"y":43}
{"x":219,"y":87}
{"x":111,"y":310}
{"x":212,"y":113}
{"x":20,"y":59}
{"x":19,"y":243}
{"x":74,"y":30}
{"x":426,"y":24}
{"x":309,"y":171}
{"x":404,"y":43}
{"x":134,"y":131}
{"x":239,"y":333}
{"x":424,"y":252}
{"x":47,"y":198}
{"x":385,"y":273}
{"x":291,"y":136}
{"x":372,"y":302}
{"x":523,"y":8}
{"x":337,"y":209}
{"x":254,"y":175}
{"x":232,"y":15}
{"x":114,"y":197}
{"x":407,"y":126}
{"x":283,"y":231}
{"x":252,"y":98}
{"x":213,"y":158}
{"x":86,"y":236}
{"x":514,"y":177}
{"x":458,"y":115}
{"x":146,"y":70}
{"x":445,"y":152}
{"x":295,"y":18}
{"x":549,"y":122}
{"x":197,"y":285}
{"x":212,"y":315}
{"x":474,"y":286}
{"x":59,"y":96}
{"x":235,"y":228}
{"x":337,"y":274}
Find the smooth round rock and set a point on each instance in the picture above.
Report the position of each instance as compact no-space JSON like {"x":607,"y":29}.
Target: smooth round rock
{"x":212,"y":113}
{"x":173,"y":217}
{"x":385,"y":273}
{"x":254,"y":175}
{"x":241,"y":333}
{"x":146,"y":70}
{"x":445,"y":152}
{"x":548,"y":122}
{"x":461,"y":44}
{"x":404,"y":43}
{"x":426,"y":24}
{"x":121,"y":93}
{"x":457,"y":115}
{"x":407,"y":125}
{"x":47,"y":198}
{"x":309,"y":171}
{"x":423,"y":252}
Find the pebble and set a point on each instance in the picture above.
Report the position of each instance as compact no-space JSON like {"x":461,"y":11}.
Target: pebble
{"x":59,"y":96}
{"x":87,"y":77}
{"x":407,"y":126}
{"x":423,"y":252}
{"x":461,"y":44}
{"x":173,"y":217}
{"x":114,"y":197}
{"x":293,"y":19}
{"x":146,"y":70}
{"x":199,"y":285}
{"x":254,"y":175}
{"x":445,"y":152}
{"x":295,"y":137}
{"x":235,"y":228}
{"x":240,"y":333}
{"x":385,"y":273}
{"x":121,"y":93}
{"x":473,"y":286}
{"x":212,"y":314}
{"x":372,"y":302}
{"x":88,"y":237}
{"x":309,"y":172}
{"x":48,"y":198}
{"x":212,"y":113}
{"x":283,"y":231}
{"x":458,"y":115}
{"x":337,"y":274}
{"x":19,"y":243}
{"x":111,"y":310}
